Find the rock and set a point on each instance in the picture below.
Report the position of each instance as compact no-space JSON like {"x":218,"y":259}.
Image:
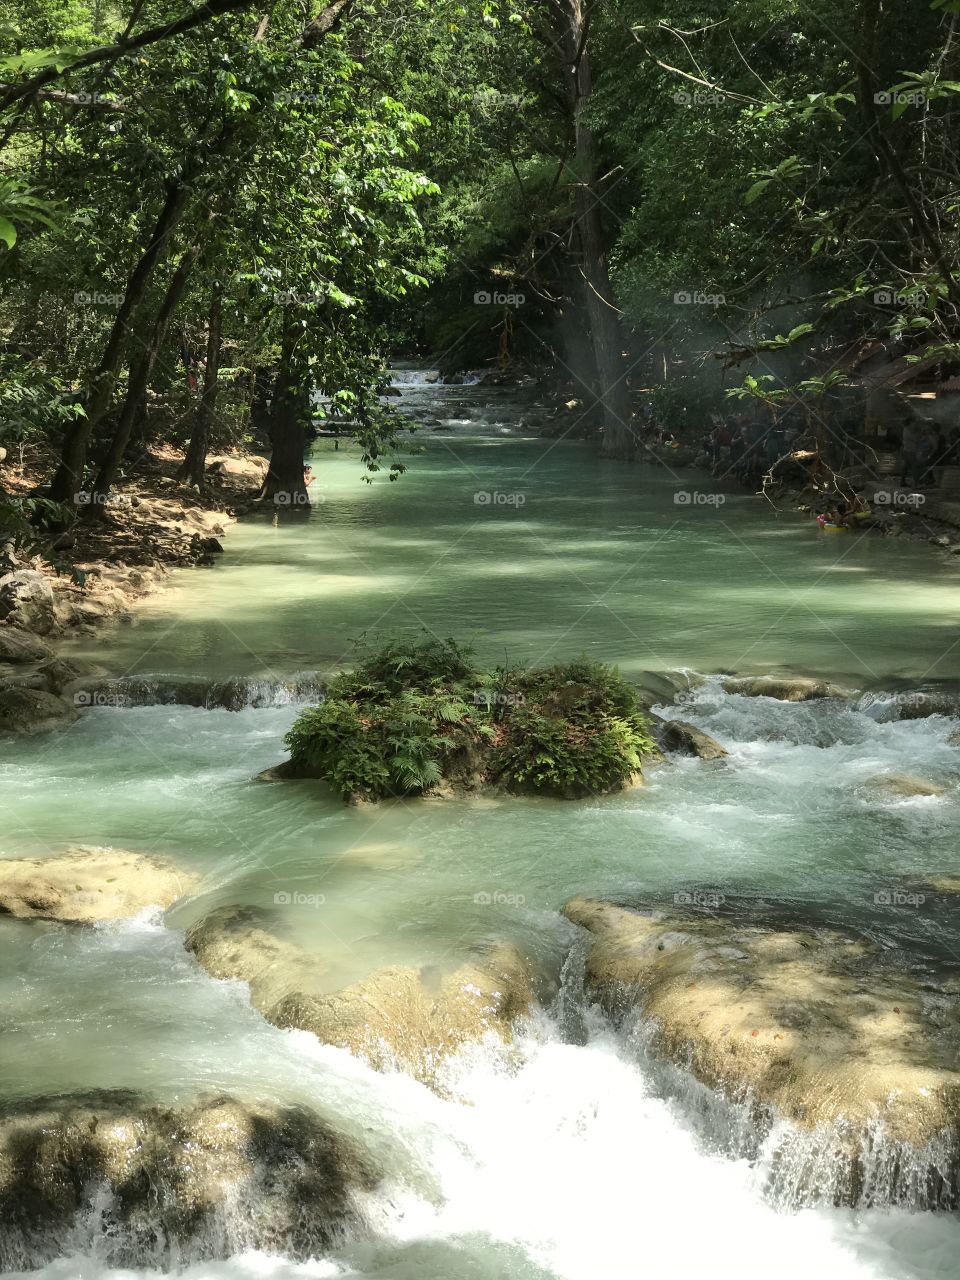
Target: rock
{"x":57,"y":673}
{"x":945,"y":884}
{"x":211,"y":546}
{"x":153,"y":1184}
{"x":26,"y":600}
{"x":783,"y":688}
{"x":821,"y":1028}
{"x":29,"y":711}
{"x":17,"y":645}
{"x":405,"y":1018}
{"x":85,"y":885}
{"x":679,"y":735}
{"x":921,"y":703}
{"x":903,"y":784}
{"x":233,"y":942}
{"x":413,"y":1019}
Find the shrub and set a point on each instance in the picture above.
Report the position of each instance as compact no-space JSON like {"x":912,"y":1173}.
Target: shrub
{"x":413,"y":715}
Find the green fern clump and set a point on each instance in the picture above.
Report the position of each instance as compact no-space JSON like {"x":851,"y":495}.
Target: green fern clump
{"x":412,"y":716}
{"x":577,"y":730}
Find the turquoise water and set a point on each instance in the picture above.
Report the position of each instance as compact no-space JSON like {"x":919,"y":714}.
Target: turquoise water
{"x":567,"y":1154}
{"x":570,"y":554}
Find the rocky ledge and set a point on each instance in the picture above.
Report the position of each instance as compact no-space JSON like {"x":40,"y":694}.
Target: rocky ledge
{"x":115,"y":1175}
{"x":85,"y":885}
{"x":411,"y":1019}
{"x":820,"y":1029}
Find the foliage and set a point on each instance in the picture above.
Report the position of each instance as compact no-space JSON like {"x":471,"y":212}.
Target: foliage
{"x":413,"y":715}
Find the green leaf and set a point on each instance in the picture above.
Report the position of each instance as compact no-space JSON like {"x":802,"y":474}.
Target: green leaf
{"x":8,"y":232}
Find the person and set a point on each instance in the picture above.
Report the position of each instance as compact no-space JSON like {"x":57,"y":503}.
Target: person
{"x":308,"y":476}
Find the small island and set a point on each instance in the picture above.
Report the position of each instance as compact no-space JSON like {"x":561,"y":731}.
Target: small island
{"x":418,"y":718}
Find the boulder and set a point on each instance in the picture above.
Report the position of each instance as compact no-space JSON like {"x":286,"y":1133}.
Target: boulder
{"x":142,"y":1184}
{"x":17,"y":645}
{"x":783,"y":688}
{"x":26,"y":600}
{"x":679,"y":735}
{"x":85,"y":885}
{"x":821,"y":1029}
{"x":921,"y":703}
{"x":28,"y":710}
{"x":405,"y":1018}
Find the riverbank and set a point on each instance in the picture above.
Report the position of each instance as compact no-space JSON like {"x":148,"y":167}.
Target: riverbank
{"x":152,"y":523}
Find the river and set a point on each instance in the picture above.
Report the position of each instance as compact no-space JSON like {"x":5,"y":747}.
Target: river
{"x":575,"y":1154}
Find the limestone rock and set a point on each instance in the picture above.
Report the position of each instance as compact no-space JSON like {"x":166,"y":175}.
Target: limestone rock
{"x":164,"y":1181}
{"x":783,"y":688}
{"x":29,"y":711}
{"x":399,"y":1017}
{"x":821,"y":1027}
{"x":86,"y":885}
{"x":26,"y":600}
{"x":413,"y":1019}
{"x":679,"y":735}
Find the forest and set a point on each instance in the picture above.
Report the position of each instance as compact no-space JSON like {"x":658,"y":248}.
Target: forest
{"x":479,"y":611}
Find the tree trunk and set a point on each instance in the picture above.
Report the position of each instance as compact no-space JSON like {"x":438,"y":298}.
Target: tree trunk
{"x":68,"y":480}
{"x":604,"y":318}
{"x":195,"y":463}
{"x":140,"y":374}
{"x":288,"y":418}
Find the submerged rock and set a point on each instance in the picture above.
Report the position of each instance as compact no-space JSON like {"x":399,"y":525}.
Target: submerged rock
{"x":406,"y":1018}
{"x":903,"y":784}
{"x":679,"y":735}
{"x":820,"y":1028}
{"x":86,"y":885}
{"x":784,"y":688}
{"x":233,"y":942}
{"x":25,"y":710}
{"x":140,"y":1184}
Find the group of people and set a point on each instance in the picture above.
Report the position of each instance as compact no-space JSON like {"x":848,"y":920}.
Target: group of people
{"x":843,"y":513}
